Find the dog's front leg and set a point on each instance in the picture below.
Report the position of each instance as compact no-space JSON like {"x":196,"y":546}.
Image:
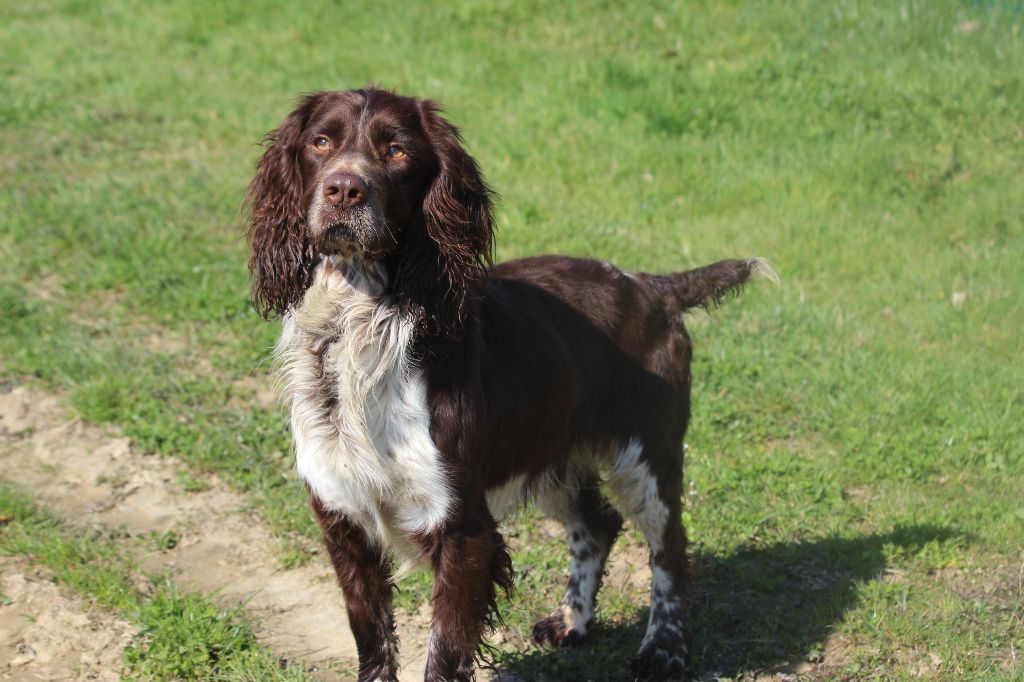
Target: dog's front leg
{"x":365,"y":579}
{"x":469,"y":559}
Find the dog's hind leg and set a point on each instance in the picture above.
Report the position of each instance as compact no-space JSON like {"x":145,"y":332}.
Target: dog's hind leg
{"x":649,"y":488}
{"x":591,"y":525}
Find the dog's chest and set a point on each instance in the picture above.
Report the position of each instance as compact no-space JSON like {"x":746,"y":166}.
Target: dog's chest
{"x":359,"y":412}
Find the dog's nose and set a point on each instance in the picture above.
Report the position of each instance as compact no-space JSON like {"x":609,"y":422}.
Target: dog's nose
{"x":344,"y":189}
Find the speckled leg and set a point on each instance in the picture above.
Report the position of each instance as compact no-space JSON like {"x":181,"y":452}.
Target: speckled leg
{"x":591,"y":526}
{"x":653,"y":503}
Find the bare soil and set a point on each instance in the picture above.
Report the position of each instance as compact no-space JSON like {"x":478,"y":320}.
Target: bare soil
{"x":46,"y":634}
{"x":88,"y":474}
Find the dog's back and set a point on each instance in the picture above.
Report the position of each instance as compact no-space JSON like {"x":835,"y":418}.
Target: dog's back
{"x":578,"y":352}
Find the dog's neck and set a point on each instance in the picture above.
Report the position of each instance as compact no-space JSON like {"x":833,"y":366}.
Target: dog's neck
{"x":359,"y":406}
{"x":347,"y":301}
{"x":362,"y":275}
{"x":346,"y":341}
{"x":347,"y":290}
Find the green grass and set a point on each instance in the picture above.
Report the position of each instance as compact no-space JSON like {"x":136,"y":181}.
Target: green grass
{"x":181,"y":636}
{"x":862,"y":419}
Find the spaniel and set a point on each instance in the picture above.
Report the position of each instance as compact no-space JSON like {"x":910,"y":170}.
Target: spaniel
{"x":432,"y":392}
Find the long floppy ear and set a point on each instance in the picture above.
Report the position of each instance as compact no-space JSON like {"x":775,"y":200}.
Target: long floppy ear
{"x":444,"y":263}
{"x":282,"y":259}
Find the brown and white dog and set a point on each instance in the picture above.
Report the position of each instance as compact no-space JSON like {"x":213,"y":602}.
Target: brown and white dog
{"x":431,"y":391}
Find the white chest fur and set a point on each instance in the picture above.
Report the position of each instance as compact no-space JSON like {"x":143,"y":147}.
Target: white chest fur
{"x":358,"y":408}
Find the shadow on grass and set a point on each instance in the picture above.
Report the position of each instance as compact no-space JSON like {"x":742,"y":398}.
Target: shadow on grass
{"x":749,"y":611}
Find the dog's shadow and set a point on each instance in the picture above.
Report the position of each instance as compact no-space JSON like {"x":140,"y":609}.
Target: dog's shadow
{"x":749,"y":611}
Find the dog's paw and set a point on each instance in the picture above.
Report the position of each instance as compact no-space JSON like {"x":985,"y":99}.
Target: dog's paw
{"x":654,"y":662}
{"x":553,"y":631}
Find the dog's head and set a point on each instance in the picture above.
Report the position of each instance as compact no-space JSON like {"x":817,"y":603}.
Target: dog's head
{"x":368,"y":174}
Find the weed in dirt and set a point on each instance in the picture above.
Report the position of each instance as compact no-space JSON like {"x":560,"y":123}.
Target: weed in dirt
{"x":295,"y":552}
{"x":190,"y":483}
{"x":161,"y":541}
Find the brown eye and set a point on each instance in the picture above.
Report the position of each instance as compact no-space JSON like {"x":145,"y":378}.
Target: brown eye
{"x":321,"y":143}
{"x":395,"y":152}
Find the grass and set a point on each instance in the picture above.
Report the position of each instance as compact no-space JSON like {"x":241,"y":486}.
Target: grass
{"x":181,"y":636}
{"x":863,"y":420}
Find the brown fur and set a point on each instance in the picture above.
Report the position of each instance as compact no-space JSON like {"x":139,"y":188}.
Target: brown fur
{"x":527,"y":364}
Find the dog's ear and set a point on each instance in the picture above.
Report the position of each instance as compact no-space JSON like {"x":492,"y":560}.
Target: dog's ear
{"x":458,"y":208}
{"x":448,"y":258}
{"x":282,"y":259}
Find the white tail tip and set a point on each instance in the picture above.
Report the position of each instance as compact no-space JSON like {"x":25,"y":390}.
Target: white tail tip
{"x":759,"y":267}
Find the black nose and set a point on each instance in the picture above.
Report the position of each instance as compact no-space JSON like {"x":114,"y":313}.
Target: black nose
{"x":344,"y":189}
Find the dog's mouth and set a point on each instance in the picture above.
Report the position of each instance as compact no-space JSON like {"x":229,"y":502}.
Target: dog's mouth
{"x":349,"y":242}
{"x":340,"y":238}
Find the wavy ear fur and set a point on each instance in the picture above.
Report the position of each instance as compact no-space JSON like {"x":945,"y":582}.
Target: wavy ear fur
{"x":282,"y":259}
{"x":445,"y":259}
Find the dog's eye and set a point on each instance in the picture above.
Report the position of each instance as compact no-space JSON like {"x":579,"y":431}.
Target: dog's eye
{"x":321,"y":143}
{"x":395,"y":152}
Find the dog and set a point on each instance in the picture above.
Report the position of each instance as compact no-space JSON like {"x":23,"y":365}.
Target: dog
{"x":432,"y":392}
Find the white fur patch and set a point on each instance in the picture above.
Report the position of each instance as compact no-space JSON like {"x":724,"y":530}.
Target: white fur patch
{"x":358,"y":408}
{"x":554,"y":494}
{"x":759,"y":267}
{"x":636,"y":490}
{"x":664,"y":600}
{"x":587,"y":564}
{"x":507,"y":498}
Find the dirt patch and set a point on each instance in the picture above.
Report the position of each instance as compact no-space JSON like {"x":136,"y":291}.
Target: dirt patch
{"x":628,"y":570}
{"x":91,"y":475}
{"x":255,"y":387}
{"x":48,"y":635}
{"x":49,"y":286}
{"x":158,"y":341}
{"x":1001,"y":583}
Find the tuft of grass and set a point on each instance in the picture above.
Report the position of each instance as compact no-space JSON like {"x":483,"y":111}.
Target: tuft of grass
{"x":185,"y":636}
{"x":162,"y":541}
{"x":190,"y":483}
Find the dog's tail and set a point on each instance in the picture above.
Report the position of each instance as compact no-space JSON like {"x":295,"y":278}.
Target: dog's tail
{"x":711,"y":284}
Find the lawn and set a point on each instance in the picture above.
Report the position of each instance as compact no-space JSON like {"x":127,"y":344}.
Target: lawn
{"x":856,"y":457}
